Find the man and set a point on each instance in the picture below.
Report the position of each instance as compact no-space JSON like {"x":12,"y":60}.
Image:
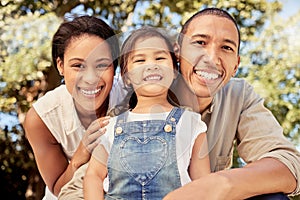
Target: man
{"x":208,"y":52}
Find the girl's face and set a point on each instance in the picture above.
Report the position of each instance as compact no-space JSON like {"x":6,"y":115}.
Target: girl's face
{"x":150,"y":67}
{"x":88,"y":71}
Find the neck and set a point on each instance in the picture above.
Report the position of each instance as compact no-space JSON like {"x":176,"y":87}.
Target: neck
{"x":152,"y":105}
{"x":188,"y":98}
{"x":203,"y":104}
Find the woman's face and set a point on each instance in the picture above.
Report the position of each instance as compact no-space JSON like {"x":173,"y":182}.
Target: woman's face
{"x":150,"y":67}
{"x":88,"y":71}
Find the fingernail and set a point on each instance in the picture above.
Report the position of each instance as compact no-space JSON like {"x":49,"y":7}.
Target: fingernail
{"x":105,"y":121}
{"x":101,"y":129}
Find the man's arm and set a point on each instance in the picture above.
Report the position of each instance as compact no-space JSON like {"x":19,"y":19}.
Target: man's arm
{"x":239,"y":183}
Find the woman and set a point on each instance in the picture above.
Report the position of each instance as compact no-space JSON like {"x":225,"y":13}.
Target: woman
{"x":63,"y":125}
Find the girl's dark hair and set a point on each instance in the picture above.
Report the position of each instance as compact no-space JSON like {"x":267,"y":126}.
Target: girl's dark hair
{"x":81,"y":26}
{"x":127,"y":48}
{"x":208,"y":11}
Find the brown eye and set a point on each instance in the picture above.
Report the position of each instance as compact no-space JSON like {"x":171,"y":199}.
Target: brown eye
{"x":228,"y":48}
{"x":199,"y":42}
{"x":103,"y":66}
{"x":77,"y":65}
{"x":138,"y":61}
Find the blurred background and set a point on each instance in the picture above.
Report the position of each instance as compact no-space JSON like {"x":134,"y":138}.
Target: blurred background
{"x":270,"y":61}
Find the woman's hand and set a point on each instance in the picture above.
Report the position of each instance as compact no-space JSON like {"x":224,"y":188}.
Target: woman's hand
{"x":89,"y":141}
{"x":92,"y":135}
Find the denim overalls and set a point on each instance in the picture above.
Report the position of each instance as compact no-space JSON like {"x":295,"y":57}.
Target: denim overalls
{"x":142,"y":163}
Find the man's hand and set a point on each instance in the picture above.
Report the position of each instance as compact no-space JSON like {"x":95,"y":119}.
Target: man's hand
{"x":210,"y":187}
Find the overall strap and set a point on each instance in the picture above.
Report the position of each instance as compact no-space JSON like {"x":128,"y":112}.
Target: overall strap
{"x":174,"y":115}
{"x":122,"y":117}
{"x":120,"y":120}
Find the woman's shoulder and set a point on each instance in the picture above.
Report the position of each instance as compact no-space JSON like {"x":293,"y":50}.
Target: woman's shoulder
{"x":53,"y":99}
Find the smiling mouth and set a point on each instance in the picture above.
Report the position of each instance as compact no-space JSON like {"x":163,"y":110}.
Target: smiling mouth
{"x":207,"y":75}
{"x":153,"y":78}
{"x":91,"y":92}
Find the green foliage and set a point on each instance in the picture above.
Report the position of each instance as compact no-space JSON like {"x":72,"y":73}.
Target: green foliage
{"x":274,"y":70}
{"x":27,"y":56}
{"x":269,"y":61}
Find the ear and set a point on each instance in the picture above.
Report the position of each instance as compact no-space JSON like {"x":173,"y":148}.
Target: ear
{"x":176,"y":48}
{"x":60,"y":66}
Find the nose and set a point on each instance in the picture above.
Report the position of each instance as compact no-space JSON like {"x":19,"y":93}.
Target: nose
{"x":91,"y":76}
{"x":152,"y":67}
{"x":212,"y":55}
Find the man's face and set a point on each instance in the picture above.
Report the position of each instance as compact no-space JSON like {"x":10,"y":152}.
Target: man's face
{"x":209,"y":54}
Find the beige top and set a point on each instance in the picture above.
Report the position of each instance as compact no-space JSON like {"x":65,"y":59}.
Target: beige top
{"x":56,"y":109}
{"x":237,"y":112}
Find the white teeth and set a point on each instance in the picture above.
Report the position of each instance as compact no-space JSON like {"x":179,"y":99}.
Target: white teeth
{"x":90,"y":92}
{"x":207,"y":75}
{"x":153,"y":78}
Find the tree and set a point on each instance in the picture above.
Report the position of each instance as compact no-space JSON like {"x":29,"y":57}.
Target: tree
{"x":26,"y":73}
{"x":274,"y":69}
{"x":26,"y":59}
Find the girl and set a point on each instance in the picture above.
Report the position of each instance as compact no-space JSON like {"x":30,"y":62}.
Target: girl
{"x":155,"y":147}
{"x":63,"y":125}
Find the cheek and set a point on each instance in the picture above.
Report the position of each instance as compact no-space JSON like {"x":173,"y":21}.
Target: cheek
{"x":108,"y":77}
{"x":71,"y":77}
{"x":185,"y":66}
{"x":230,"y":63}
{"x":189,"y":60}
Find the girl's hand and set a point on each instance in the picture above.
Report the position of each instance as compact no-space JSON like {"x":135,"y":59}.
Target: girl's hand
{"x":92,"y":135}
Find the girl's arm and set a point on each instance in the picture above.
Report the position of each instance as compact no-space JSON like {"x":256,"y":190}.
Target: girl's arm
{"x":199,"y":164}
{"x":95,"y":174}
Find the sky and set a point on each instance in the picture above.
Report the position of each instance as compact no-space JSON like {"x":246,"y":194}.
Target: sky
{"x":290,"y":7}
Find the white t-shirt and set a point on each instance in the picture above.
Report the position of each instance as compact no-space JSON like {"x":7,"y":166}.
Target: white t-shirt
{"x":188,"y":128}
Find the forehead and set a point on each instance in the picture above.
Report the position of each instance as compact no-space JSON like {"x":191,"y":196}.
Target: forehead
{"x":213,"y":25}
{"x":87,"y":45}
{"x":151,"y":43}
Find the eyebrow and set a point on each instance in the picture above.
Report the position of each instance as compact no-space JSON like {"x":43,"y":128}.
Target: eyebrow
{"x":208,"y":37}
{"x":162,"y":52}
{"x":83,"y":60}
{"x":155,"y":53}
{"x":231,"y":42}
